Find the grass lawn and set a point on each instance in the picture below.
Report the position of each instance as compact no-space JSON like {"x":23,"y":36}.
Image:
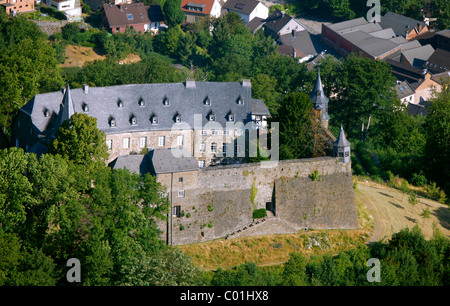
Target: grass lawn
{"x":37,"y":15}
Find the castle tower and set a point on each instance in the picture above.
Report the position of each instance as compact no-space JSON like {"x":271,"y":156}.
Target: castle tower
{"x":341,"y":147}
{"x":66,"y":109}
{"x":320,"y":101}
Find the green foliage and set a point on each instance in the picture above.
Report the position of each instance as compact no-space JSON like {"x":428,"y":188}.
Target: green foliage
{"x":173,"y":15}
{"x":259,"y":213}
{"x":253,"y":193}
{"x":296,"y":137}
{"x":435,"y":193}
{"x":419,"y":179}
{"x":80,"y":141}
{"x":412,"y":199}
{"x":314,"y":176}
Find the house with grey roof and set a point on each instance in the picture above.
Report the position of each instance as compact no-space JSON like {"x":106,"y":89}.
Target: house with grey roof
{"x":402,"y":25}
{"x":198,"y":116}
{"x":404,"y":92}
{"x":438,"y":62}
{"x":416,"y":57}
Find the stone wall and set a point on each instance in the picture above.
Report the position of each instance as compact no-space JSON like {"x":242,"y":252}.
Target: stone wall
{"x":219,"y":203}
{"x":51,"y":27}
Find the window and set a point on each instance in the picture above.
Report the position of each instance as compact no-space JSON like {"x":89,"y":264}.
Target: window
{"x":230,"y":117}
{"x":214,"y":132}
{"x":133,"y":120}
{"x":212,"y":117}
{"x":155,"y":120}
{"x":161,"y":141}
{"x":181,"y":193}
{"x":166,"y":101}
{"x":143,"y":142}
{"x":201,"y":164}
{"x":177,"y":118}
{"x":109,"y":144}
{"x":130,"y":16}
{"x":224,"y":148}
{"x":180,"y":179}
{"x":207,"y":101}
{"x":202,"y":147}
{"x":141,"y":102}
{"x":180,"y":140}
{"x":204,"y":132}
{"x":176,"y":211}
{"x":346,"y":154}
{"x":226,"y":133}
{"x":112,"y":123}
{"x":126,"y":143}
{"x":214,"y":147}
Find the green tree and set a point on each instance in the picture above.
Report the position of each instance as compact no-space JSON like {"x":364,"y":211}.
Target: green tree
{"x":173,"y":14}
{"x":365,"y":91}
{"x":294,"y":272}
{"x":80,"y":141}
{"x":294,"y":117}
{"x":437,"y":148}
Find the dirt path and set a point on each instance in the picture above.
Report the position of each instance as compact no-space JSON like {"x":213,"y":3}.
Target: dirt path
{"x":392,"y":211}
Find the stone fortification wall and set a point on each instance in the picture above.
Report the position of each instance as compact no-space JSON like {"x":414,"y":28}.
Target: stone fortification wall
{"x":222,"y":205}
{"x":325,"y":203}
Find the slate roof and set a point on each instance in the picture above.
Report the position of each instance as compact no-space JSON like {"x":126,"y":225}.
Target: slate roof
{"x":438,"y":62}
{"x":241,"y":6}
{"x":139,"y":164}
{"x":341,"y":141}
{"x":399,"y":23}
{"x":318,"y":98}
{"x":126,"y":14}
{"x":165,"y":161}
{"x":140,"y":102}
{"x":259,"y":108}
{"x":300,"y":41}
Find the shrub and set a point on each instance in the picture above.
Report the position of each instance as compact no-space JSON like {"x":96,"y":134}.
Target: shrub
{"x":390,"y":179}
{"x":435,"y":193}
{"x":412,"y":199}
{"x":404,"y":186}
{"x":419,"y":179}
{"x":314,"y":176}
{"x":259,"y":213}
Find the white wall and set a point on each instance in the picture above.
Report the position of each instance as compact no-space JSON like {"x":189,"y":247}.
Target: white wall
{"x":260,"y":11}
{"x":291,"y":25}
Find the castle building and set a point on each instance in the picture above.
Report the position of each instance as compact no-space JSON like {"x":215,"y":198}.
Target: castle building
{"x":206,"y":119}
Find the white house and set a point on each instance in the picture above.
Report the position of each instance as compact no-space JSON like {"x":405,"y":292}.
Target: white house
{"x":72,"y":8}
{"x":247,"y":9}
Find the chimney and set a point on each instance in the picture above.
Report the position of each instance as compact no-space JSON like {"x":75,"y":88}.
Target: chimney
{"x":86,"y":88}
{"x":246,"y":83}
{"x":190,"y":83}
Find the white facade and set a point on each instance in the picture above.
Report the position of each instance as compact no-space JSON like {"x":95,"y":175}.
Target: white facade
{"x":291,"y":25}
{"x":72,"y":8}
{"x":216,"y":9}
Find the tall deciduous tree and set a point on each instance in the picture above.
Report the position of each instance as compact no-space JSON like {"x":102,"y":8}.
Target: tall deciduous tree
{"x":80,"y":141}
{"x":437,"y":148}
{"x":365,"y":90}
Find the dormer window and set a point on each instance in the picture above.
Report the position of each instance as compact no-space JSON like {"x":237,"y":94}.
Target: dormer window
{"x":141,"y":102}
{"x":177,"y":118}
{"x":119,"y":103}
{"x":207,"y":101}
{"x":154,"y":119}
{"x":230,"y":117}
{"x":85,"y":108}
{"x":112,"y":122}
{"x":212,"y":117}
{"x":166,"y":101}
{"x":47,"y":113}
{"x":133,"y":120}
{"x":240,"y":101}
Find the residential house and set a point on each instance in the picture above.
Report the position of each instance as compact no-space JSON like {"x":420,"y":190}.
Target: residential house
{"x":207,"y":119}
{"x":293,"y":38}
{"x":404,"y":92}
{"x":194,"y":10}
{"x":402,"y":25}
{"x":72,"y":8}
{"x":12,"y":7}
{"x":247,"y":9}
{"x":359,"y":36}
{"x":135,"y":16}
{"x":425,"y":88}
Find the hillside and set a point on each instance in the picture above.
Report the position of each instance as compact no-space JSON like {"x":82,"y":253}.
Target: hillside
{"x":382,"y":211}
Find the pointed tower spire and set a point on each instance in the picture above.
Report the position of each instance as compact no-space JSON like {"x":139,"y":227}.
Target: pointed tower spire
{"x":341,"y":147}
{"x":66,"y":108}
{"x":319,"y":100}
